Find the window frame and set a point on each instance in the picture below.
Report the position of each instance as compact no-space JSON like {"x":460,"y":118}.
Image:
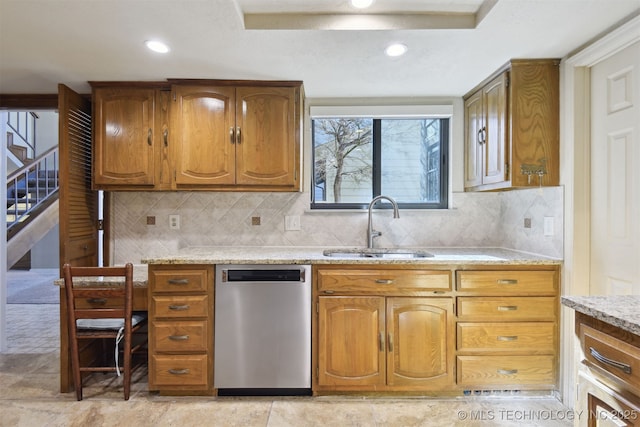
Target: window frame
{"x":377,"y":114}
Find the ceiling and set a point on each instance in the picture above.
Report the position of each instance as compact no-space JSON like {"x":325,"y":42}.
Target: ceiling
{"x":46,"y":42}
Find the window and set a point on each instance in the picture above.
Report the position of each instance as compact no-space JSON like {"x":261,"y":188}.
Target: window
{"x":358,"y":158}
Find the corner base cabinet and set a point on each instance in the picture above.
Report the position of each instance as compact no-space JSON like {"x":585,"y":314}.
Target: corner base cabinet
{"x":181,"y":329}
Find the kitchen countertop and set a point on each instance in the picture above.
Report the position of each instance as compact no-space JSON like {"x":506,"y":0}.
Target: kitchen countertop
{"x":314,"y":255}
{"x":140,"y":273}
{"x":622,"y":311}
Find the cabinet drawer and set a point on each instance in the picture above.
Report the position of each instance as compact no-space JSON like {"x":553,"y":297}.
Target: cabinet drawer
{"x":180,"y":306}
{"x":381,"y":281}
{"x":618,"y":358}
{"x":180,"y":336}
{"x":188,"y":370}
{"x":180,"y":280}
{"x":139,"y":301}
{"x":507,"y":308}
{"x":520,"y":337}
{"x":505,"y":371}
{"x":507,"y":282}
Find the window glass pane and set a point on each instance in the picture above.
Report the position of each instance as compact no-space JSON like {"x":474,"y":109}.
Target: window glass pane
{"x":343,"y":160}
{"x":410,"y":160}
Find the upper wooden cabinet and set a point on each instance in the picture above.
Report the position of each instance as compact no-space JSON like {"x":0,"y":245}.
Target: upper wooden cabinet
{"x":198,"y":135}
{"x":512,"y":127}
{"x":244,"y":137}
{"x":125,"y":132}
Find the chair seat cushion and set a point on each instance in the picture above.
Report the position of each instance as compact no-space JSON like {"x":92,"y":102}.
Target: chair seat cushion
{"x":114,"y":324}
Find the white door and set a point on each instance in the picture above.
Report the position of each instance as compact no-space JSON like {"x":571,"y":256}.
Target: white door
{"x":615,"y":174}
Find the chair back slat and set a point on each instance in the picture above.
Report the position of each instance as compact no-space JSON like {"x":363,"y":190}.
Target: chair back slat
{"x":100,"y":313}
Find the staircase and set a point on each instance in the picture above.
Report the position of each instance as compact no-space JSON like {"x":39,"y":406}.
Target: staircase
{"x":32,"y":184}
{"x":31,"y":189}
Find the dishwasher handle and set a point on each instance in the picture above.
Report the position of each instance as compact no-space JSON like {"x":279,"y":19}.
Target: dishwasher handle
{"x":249,"y":275}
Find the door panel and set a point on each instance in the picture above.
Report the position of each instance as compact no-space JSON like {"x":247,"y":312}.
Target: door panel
{"x":78,"y":203}
{"x":351,"y":341}
{"x":204,"y":128}
{"x":266,"y":152}
{"x":615,"y":176}
{"x":419,"y":337}
{"x":495,"y":110}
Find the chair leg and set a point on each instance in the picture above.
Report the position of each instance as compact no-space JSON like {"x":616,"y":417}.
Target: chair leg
{"x":75,"y":367}
{"x":127,"y":366}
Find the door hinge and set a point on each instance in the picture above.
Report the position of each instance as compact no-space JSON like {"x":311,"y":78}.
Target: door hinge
{"x":101,"y":224}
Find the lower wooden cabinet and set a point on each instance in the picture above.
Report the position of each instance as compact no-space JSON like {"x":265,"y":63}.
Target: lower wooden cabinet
{"x":382,"y":333}
{"x":385,"y":343}
{"x":507,"y":329}
{"x":394,"y":328}
{"x":181,"y":329}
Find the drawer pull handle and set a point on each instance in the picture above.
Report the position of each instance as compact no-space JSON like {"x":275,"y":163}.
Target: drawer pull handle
{"x":390,"y":339}
{"x":507,"y":337}
{"x":507,"y":371}
{"x":507,"y":281}
{"x":507,"y":307}
{"x":178,"y":337}
{"x":329,"y":292}
{"x":179,"y":371}
{"x":100,"y":301}
{"x":384,"y":281}
{"x":178,"y":281}
{"x":381,"y":341}
{"x":600,"y":358}
{"x":179,"y":307}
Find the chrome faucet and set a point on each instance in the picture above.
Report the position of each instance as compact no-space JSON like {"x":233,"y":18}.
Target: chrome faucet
{"x":371,"y":233}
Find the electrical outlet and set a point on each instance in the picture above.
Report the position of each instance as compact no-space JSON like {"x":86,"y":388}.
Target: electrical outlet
{"x":548,"y":226}
{"x":527,"y":223}
{"x":174,"y":222}
{"x":292,"y":222}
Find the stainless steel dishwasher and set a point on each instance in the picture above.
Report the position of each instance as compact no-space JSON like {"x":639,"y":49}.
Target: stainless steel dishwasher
{"x":262,"y":330}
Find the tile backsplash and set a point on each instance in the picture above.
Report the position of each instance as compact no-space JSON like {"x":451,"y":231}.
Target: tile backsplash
{"x":225,"y":219}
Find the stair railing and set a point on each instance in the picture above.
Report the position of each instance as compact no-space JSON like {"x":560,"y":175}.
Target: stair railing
{"x":28,"y":137}
{"x":31,"y":185}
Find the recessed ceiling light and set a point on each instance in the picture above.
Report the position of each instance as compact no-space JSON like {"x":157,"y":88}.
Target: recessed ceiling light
{"x":396,"y":49}
{"x":157,"y":46}
{"x":361,"y":4}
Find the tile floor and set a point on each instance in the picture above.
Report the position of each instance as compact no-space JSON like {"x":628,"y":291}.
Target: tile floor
{"x":29,"y":396}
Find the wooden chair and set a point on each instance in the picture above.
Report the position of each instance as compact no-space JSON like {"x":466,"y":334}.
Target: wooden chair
{"x":102,"y":311}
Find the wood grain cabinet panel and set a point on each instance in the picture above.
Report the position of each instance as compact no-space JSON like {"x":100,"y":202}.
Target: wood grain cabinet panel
{"x":243,"y":137}
{"x":223,"y":135}
{"x":506,"y":371}
{"x":512,"y":129}
{"x":384,"y":339}
{"x":181,"y":329}
{"x":507,"y":329}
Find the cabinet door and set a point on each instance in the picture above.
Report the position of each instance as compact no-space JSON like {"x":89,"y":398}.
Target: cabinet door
{"x":124,"y":137}
{"x":351,"y":347}
{"x":266,"y":144}
{"x":420,"y":342}
{"x":473,"y":139}
{"x":203,"y":127}
{"x":495,"y":122}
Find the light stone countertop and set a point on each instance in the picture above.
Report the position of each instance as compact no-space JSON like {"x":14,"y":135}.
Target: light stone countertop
{"x":140,"y":274}
{"x":314,"y":255}
{"x":622,"y":311}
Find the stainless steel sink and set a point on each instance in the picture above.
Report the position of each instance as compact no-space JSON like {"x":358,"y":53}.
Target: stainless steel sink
{"x":377,"y":253}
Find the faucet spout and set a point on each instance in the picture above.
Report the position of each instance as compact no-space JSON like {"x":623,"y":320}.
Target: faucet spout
{"x":371,"y":233}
